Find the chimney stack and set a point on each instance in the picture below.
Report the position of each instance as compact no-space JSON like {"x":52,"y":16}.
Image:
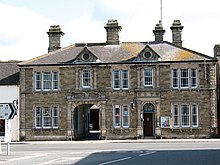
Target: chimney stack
{"x":176,"y":32}
{"x":217,"y":51}
{"x":112,"y":31}
{"x":54,"y":35}
{"x":159,"y":32}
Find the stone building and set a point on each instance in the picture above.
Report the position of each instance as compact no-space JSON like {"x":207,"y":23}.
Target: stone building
{"x":123,"y":90}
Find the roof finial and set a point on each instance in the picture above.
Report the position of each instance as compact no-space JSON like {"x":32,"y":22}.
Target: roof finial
{"x":161,"y":11}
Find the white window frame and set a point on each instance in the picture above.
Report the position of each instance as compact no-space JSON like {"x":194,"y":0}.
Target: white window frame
{"x":185,"y":118}
{"x":55,"y":117}
{"x":184,"y":79}
{"x":86,"y":80}
{"x":175,"y":78}
{"x":37,"y":82}
{"x":46,"y":83}
{"x":179,"y":117}
{"x":122,"y":81}
{"x":55,"y":80}
{"x":194,"y":115}
{"x":148,"y":79}
{"x":176,"y":115}
{"x":193,"y":78}
{"x":117,"y":115}
{"x":184,"y":82}
{"x":46,"y":117}
{"x":125,"y":116}
{"x":114,"y":73}
{"x":38,"y":117}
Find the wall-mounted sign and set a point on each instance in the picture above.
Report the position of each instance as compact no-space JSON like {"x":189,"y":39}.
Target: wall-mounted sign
{"x":165,"y":122}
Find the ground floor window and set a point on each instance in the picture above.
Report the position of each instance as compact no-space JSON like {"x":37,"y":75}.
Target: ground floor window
{"x":46,"y":116}
{"x":185,"y":115}
{"x":121,"y":116}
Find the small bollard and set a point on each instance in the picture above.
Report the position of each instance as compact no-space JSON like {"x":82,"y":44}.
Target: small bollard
{"x":8,"y":148}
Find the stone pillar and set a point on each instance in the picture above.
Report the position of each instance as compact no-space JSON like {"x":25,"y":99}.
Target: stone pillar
{"x":140,"y":124}
{"x":103,"y":119}
{"x":213,"y":100}
{"x":69,"y":121}
{"x":22,"y":105}
{"x":158,"y":129}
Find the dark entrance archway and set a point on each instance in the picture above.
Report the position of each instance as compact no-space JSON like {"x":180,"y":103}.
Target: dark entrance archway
{"x":86,"y":122}
{"x":148,"y":123}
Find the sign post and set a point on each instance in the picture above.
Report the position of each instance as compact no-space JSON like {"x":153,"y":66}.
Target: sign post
{"x":7,"y":112}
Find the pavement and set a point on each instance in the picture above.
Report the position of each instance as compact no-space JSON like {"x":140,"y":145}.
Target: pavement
{"x":5,"y":157}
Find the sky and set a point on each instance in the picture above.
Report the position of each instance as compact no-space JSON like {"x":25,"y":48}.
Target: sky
{"x":24,"y":23}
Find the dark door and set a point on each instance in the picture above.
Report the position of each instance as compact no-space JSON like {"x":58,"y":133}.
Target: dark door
{"x":94,"y":119}
{"x":148,"y":124}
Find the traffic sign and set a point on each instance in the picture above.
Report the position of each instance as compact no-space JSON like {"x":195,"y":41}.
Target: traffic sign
{"x":7,"y":111}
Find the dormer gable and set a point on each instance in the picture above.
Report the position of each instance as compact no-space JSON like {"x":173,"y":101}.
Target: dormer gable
{"x":147,"y":54}
{"x":85,"y":56}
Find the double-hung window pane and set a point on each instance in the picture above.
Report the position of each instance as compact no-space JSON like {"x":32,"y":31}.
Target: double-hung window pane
{"x":55,"y":80}
{"x":193,"y":78}
{"x":125,"y":116}
{"x":194,"y":110}
{"x":37,"y":81}
{"x":185,"y":115}
{"x":46,"y":117}
{"x":124,"y":77}
{"x":55,"y":116}
{"x":38,"y":117}
{"x":148,"y":77}
{"x":184,"y":78}
{"x":116,"y":79}
{"x":86,"y":78}
{"x":46,"y":81}
{"x":175,"y":115}
{"x":175,"y":78}
{"x":117,"y":116}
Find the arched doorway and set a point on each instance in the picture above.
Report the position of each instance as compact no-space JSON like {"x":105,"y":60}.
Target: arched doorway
{"x":86,"y":122}
{"x":148,"y":122}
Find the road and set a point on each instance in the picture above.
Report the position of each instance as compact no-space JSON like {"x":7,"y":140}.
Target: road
{"x":112,"y":153}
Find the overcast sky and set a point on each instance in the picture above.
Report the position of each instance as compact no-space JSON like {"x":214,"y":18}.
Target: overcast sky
{"x":24,"y":23}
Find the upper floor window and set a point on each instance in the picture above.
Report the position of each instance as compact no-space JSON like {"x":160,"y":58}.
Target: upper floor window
{"x":86,"y":78}
{"x":148,"y":77}
{"x":46,"y":117}
{"x":46,"y":81}
{"x":120,"y":79}
{"x":184,"y":78}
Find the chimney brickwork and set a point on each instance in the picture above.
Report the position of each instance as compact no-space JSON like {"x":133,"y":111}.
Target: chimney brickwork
{"x":177,"y":32}
{"x":217,"y":51}
{"x":112,"y":31}
{"x":54,"y":34}
{"x":159,"y":32}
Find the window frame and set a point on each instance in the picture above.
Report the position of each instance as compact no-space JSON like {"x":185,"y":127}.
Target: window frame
{"x":88,"y":79}
{"x":119,"y":80}
{"x":125,"y":108}
{"x":182,"y":79}
{"x":149,"y":77}
{"x":43,"y":121}
{"x":117,"y":115}
{"x":55,"y":80}
{"x":194,"y":115}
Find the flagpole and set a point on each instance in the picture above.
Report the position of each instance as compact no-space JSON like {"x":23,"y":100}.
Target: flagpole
{"x":161,"y":11}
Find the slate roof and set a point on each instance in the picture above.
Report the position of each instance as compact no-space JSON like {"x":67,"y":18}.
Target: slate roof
{"x":9,"y":73}
{"x":124,"y":52}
